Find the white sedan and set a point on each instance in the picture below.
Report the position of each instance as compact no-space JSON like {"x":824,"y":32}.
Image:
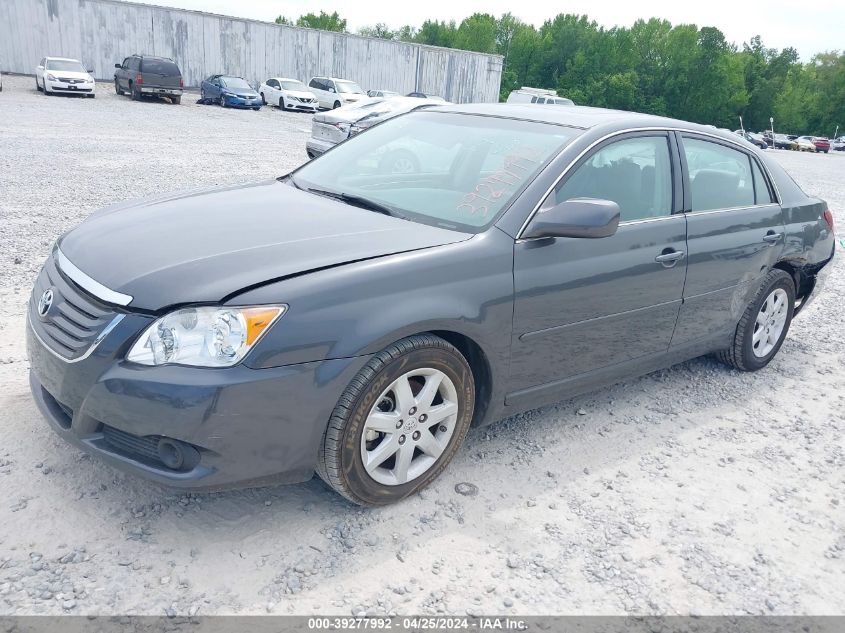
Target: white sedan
{"x":59,"y":74}
{"x":288,"y":94}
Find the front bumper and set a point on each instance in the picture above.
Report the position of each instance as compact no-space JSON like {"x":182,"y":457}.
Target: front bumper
{"x":290,"y":104}
{"x":249,"y":426}
{"x":241,"y":102}
{"x":61,"y":86}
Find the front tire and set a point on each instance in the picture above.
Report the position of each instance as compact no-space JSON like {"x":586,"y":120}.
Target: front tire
{"x":399,"y":422}
{"x":282,"y":103}
{"x":336,"y":105}
{"x":222,"y":101}
{"x":764,"y":324}
{"x":37,"y":85}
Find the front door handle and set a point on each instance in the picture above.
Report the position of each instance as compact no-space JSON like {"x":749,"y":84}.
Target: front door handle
{"x":669,"y":258}
{"x":772,"y":238}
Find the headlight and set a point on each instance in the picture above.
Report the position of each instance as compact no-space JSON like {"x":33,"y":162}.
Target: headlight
{"x":207,"y":336}
{"x":51,"y":77}
{"x":293,"y":98}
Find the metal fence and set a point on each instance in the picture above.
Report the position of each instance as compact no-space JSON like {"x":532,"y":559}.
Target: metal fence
{"x":101,"y":33}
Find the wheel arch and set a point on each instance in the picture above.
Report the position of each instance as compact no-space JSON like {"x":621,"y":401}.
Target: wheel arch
{"x":479,"y":363}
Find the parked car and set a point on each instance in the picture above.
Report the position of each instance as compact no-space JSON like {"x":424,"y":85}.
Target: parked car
{"x":822,"y":144}
{"x":63,"y":75}
{"x":754,"y":139}
{"x":332,"y":92}
{"x":780,"y":141}
{"x":838,"y":144}
{"x":805,"y":144}
{"x":537,"y":95}
{"x":288,"y":94}
{"x":230,"y":92}
{"x":360,"y":327}
{"x":149,"y":76}
{"x":330,"y":128}
{"x":382,"y":93}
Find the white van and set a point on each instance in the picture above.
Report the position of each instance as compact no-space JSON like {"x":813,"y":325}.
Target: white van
{"x":332,"y":92}
{"x":537,"y":95}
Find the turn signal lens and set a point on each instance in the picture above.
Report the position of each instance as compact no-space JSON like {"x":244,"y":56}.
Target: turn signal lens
{"x":258,"y":320}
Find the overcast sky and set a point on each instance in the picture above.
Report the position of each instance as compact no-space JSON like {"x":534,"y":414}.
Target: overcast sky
{"x":810,"y":26}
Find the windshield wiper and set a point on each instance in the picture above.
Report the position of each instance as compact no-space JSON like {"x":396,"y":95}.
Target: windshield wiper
{"x":358,"y":201}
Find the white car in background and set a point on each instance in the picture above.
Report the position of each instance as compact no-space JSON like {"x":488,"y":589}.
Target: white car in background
{"x":288,"y":94}
{"x":330,"y":128}
{"x":62,"y":75}
{"x":332,"y":92}
{"x":805,"y":144}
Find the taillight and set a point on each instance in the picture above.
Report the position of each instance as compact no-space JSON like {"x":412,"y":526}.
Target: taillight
{"x":181,"y":83}
{"x":828,"y":217}
{"x":139,"y":78}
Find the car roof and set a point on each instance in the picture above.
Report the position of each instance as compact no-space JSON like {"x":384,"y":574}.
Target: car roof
{"x":62,"y":59}
{"x":286,"y":79}
{"x":581,"y":117}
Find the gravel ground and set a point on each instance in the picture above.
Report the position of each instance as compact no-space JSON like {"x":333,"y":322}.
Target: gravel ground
{"x":696,"y":489}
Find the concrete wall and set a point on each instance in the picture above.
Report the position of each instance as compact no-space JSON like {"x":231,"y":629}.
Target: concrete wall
{"x":102,"y":32}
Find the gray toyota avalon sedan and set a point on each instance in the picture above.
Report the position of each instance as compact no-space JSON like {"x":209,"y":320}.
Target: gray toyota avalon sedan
{"x":356,"y":322}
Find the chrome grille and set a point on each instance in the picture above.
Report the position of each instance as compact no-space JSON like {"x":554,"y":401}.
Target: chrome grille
{"x":75,"y":319}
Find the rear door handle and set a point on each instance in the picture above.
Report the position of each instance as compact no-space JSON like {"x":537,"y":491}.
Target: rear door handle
{"x":669,"y":258}
{"x":772,"y":238}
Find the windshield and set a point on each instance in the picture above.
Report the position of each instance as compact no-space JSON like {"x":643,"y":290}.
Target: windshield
{"x":235,"y":83}
{"x":348,"y":87}
{"x":66,"y":65}
{"x":452,"y":170}
{"x":294,"y":85}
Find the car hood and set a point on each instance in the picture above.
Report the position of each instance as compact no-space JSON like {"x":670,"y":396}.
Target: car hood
{"x":204,"y":246}
{"x":69,"y":74}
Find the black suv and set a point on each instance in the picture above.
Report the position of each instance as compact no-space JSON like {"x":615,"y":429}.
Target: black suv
{"x":148,"y":76}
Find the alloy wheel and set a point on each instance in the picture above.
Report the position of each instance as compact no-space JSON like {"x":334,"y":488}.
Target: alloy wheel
{"x":409,"y":427}
{"x":770,"y":322}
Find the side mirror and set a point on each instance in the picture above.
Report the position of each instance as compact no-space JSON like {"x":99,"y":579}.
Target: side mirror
{"x":118,"y":66}
{"x":331,"y":89}
{"x":577,"y":217}
{"x":89,"y":70}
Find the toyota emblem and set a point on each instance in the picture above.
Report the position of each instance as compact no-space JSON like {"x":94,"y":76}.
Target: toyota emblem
{"x":45,"y":302}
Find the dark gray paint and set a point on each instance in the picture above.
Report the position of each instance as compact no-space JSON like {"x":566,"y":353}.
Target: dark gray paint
{"x":542,"y":319}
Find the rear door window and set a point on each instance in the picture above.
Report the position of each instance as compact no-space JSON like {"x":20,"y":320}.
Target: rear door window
{"x":163,"y":67}
{"x":720,"y":176}
{"x":635,"y":173}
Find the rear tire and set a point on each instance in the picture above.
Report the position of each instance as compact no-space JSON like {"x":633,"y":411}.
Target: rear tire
{"x":336,"y":105}
{"x":764,"y":324}
{"x":136,"y":94}
{"x":263,"y":100}
{"x":412,"y":424}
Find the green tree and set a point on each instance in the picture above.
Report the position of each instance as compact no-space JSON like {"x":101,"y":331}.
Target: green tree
{"x":324,"y":21}
{"x":380,"y":30}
